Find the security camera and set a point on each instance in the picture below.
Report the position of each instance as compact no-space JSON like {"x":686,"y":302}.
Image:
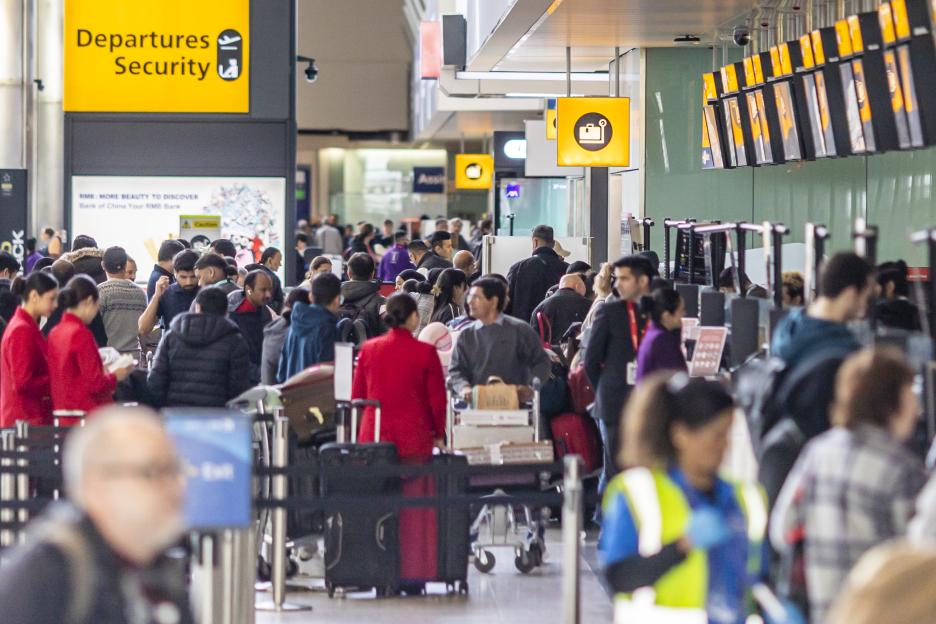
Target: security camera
{"x":741,"y":36}
{"x":311,"y":71}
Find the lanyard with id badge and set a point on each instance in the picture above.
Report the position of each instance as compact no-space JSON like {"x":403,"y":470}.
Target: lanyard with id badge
{"x":636,"y":336}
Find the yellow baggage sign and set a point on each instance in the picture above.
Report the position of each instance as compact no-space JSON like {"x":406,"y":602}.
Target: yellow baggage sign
{"x":171,"y":56}
{"x":474,"y":171}
{"x":594,"y":132}
{"x":552,"y":121}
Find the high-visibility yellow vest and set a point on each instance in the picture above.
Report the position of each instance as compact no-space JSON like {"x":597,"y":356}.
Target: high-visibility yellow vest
{"x":661,"y":514}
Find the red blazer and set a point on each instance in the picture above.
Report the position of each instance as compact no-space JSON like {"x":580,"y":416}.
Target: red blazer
{"x":24,"y":373}
{"x":79,"y":381}
{"x":405,"y":375}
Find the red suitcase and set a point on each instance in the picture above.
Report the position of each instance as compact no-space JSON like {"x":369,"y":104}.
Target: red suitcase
{"x":575,"y":434}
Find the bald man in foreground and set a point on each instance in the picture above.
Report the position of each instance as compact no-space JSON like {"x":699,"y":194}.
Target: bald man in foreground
{"x":560,"y":310}
{"x":94,"y":559}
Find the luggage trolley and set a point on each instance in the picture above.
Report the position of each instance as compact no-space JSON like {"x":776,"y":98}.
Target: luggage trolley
{"x":496,"y":437}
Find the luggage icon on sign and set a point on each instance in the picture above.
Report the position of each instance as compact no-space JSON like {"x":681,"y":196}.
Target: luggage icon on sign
{"x":591,"y":134}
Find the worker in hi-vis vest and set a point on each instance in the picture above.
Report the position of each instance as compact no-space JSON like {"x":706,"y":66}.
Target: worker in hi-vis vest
{"x":680,"y":544}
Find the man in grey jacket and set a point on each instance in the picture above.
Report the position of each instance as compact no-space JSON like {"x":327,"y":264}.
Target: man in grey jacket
{"x":496,"y":344}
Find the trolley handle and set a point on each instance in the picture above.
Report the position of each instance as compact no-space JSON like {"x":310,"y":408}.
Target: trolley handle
{"x":358,"y":404}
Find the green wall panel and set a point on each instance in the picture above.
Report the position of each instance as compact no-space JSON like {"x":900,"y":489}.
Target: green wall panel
{"x":829,"y":192}
{"x":675,"y":184}
{"x":893,"y":191}
{"x":901,"y":201}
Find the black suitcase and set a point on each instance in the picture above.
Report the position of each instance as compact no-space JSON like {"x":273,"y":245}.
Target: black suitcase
{"x":362,"y":549}
{"x":454,"y":526}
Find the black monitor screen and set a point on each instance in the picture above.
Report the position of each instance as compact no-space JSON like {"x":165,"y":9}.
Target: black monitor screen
{"x":787,"y":114}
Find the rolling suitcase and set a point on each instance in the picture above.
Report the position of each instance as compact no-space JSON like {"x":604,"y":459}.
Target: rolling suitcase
{"x":361,"y":547}
{"x":434,"y":542}
{"x":454,"y":524}
{"x":575,"y":434}
{"x":309,"y":401}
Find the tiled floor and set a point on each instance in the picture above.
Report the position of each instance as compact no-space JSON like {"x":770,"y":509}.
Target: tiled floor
{"x":502,"y":597}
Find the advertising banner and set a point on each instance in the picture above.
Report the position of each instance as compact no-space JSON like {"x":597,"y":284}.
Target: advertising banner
{"x":594,"y":132}
{"x":13,"y":212}
{"x":138,"y":213}
{"x":214,"y":446}
{"x":171,"y":56}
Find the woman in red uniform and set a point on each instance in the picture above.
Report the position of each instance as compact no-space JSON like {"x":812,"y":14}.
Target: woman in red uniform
{"x":405,"y":375}
{"x":79,"y":381}
{"x":24,"y":370}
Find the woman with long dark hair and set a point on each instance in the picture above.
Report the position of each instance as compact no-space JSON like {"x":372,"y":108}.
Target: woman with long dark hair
{"x":79,"y":381}
{"x":25,"y":392}
{"x":449,"y":292}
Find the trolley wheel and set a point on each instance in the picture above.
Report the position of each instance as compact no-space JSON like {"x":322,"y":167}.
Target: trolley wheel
{"x":292,"y":568}
{"x":536,"y":554}
{"x":463,"y":588}
{"x":484,"y":561}
{"x":524,"y":562}
{"x":330,"y":588}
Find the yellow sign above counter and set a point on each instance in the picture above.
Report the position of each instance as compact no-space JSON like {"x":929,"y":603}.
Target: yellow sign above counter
{"x":170,"y":56}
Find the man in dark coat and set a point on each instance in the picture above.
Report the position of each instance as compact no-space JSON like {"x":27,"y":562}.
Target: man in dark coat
{"x":440,"y":252}
{"x":203,"y":359}
{"x":529,"y":279}
{"x":248,"y":309}
{"x":566,"y":306}
{"x":612,"y":348}
{"x":97,"y":558}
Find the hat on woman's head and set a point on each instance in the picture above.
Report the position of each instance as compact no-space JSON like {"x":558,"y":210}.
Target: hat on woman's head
{"x":439,"y":336}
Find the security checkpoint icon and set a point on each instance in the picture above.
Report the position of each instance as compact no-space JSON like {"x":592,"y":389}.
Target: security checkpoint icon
{"x":590,"y":134}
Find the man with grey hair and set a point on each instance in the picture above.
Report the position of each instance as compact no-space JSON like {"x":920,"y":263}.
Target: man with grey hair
{"x":93,"y":560}
{"x":458,"y":241}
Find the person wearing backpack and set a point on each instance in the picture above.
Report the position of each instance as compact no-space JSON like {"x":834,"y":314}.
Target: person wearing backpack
{"x":361,"y":299}
{"x":313,"y":328}
{"x":845,"y":286}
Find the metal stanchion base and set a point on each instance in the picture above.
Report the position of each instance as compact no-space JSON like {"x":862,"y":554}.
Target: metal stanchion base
{"x":286,"y":606}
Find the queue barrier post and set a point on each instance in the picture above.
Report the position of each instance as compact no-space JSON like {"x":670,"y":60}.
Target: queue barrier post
{"x":22,"y":479}
{"x":280,"y":454}
{"x":572,"y":512}
{"x":7,"y":486}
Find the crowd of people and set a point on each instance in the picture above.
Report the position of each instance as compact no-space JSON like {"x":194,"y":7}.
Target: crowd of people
{"x":837,"y":475}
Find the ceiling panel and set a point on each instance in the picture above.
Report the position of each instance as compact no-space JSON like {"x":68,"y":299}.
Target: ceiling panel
{"x":594,"y":27}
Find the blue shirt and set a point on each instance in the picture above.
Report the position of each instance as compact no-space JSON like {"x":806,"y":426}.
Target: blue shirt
{"x":728,"y":577}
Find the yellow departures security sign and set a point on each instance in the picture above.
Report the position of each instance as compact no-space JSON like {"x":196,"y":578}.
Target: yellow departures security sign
{"x":157,"y":56}
{"x":594,"y":132}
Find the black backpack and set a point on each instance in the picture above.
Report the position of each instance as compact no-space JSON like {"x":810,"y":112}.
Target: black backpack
{"x":353,"y":324}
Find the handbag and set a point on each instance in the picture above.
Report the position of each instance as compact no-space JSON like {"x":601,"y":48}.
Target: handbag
{"x":495,"y":395}
{"x":580,"y":390}
{"x":545,"y":330}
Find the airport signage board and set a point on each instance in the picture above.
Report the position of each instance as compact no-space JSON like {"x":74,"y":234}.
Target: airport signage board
{"x":474,"y":171}
{"x":139,"y":212}
{"x":428,"y":179}
{"x":13,"y":211}
{"x":171,"y":56}
{"x":214,"y":448}
{"x":593,"y":132}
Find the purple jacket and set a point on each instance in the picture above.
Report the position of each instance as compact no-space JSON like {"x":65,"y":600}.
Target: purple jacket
{"x":394,"y":262}
{"x":660,"y":350}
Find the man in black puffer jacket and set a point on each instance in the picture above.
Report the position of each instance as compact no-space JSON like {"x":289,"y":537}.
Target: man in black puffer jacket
{"x":202,"y":360}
